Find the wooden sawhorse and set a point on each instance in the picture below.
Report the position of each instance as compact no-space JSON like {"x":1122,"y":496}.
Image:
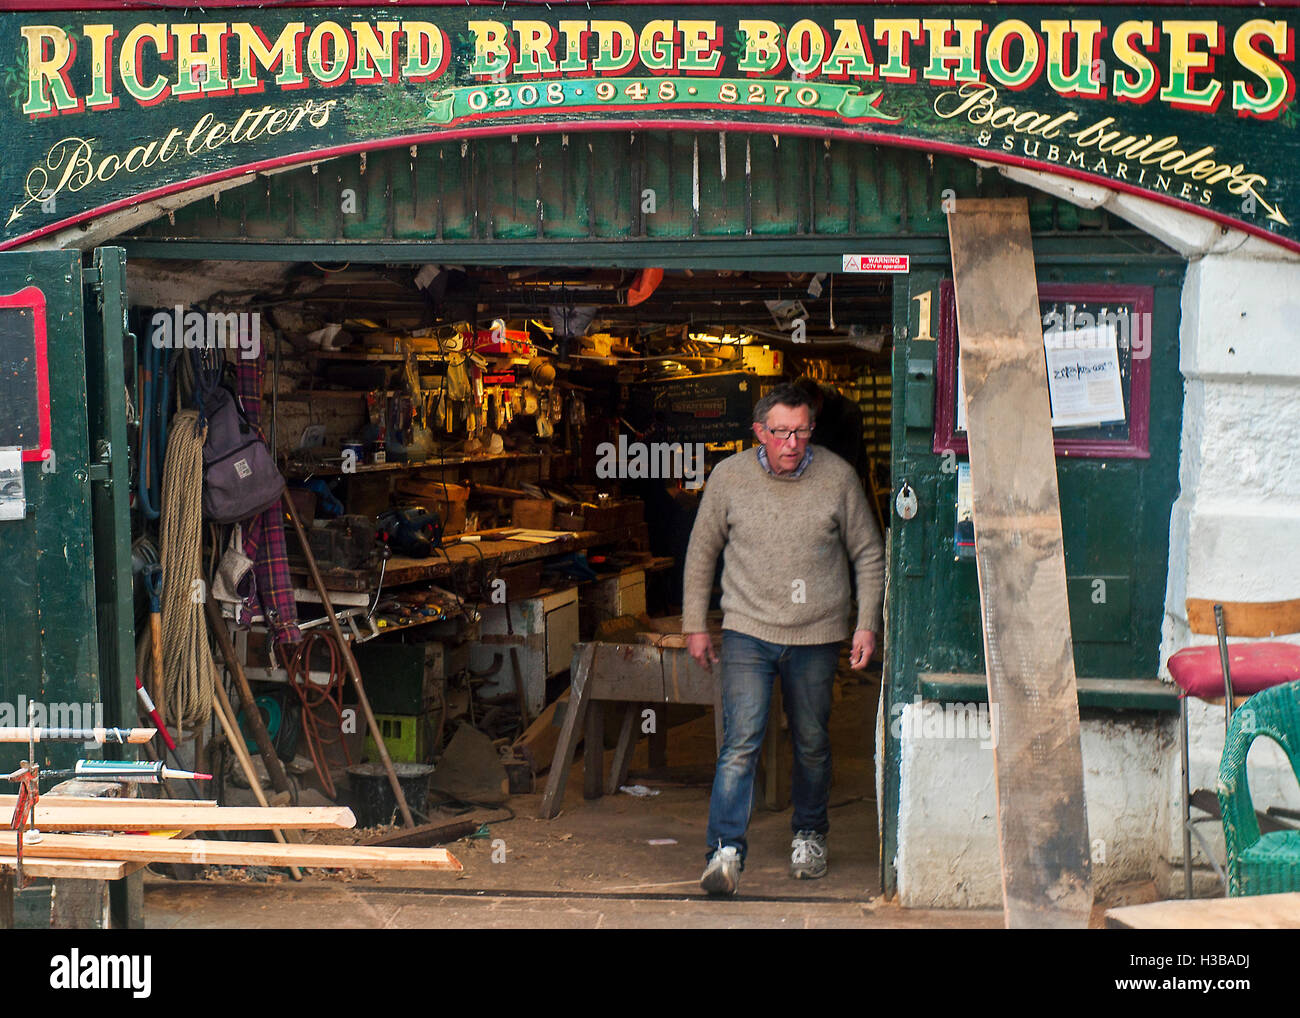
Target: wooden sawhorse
{"x":630,"y":673}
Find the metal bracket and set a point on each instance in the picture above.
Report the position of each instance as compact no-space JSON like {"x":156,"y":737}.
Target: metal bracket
{"x":361,"y":627}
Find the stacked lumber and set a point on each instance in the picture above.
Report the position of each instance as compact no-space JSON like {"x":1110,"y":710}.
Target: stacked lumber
{"x":67,"y":851}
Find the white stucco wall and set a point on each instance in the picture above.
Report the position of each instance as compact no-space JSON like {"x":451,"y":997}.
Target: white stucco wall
{"x":947,"y":827}
{"x":1235,"y":528}
{"x":1234,"y":535}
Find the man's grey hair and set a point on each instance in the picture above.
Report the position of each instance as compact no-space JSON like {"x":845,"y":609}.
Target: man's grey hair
{"x":785,"y":394}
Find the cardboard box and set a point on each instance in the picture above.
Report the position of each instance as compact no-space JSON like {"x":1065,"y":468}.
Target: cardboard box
{"x":533,"y":513}
{"x":448,"y":501}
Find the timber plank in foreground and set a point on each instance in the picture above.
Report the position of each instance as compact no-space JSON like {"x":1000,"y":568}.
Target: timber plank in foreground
{"x":142,"y":817}
{"x":1020,"y":556}
{"x":143,"y":848}
{"x":69,"y":869}
{"x":1256,"y":912}
{"x":47,"y":800}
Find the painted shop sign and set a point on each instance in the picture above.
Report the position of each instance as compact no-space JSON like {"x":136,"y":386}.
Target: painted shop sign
{"x":1192,"y":106}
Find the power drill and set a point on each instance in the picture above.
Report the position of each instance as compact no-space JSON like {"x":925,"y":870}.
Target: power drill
{"x":412,"y":531}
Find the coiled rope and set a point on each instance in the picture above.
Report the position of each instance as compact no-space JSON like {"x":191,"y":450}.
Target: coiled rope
{"x":188,"y":668}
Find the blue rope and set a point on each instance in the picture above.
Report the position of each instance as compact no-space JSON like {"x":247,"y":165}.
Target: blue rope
{"x":153,"y":411}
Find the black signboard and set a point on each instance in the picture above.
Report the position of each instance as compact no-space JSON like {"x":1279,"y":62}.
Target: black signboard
{"x":699,"y":408}
{"x":104,"y":108}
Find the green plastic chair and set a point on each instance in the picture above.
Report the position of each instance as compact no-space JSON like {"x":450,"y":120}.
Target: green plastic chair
{"x":1267,"y":864}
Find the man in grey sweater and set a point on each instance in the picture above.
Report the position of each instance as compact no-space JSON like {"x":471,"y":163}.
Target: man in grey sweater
{"x":787,"y":517}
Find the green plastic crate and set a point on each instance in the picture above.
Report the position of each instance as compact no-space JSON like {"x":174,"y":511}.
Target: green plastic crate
{"x":404,"y":735}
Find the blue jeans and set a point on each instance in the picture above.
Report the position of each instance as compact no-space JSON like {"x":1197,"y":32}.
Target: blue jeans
{"x":807,"y":674}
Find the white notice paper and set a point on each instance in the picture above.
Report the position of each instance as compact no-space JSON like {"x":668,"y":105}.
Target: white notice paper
{"x":1083,"y":376}
{"x":961,"y":398}
{"x":13,"y":501}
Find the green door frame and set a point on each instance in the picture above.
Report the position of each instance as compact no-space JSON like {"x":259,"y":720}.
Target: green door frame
{"x":930,"y":262}
{"x":921,"y":568}
{"x":68,"y":636}
{"x":1097,"y":254}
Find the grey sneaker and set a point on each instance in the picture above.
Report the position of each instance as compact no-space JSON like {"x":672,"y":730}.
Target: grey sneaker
{"x":722,"y":874}
{"x":808,"y":856}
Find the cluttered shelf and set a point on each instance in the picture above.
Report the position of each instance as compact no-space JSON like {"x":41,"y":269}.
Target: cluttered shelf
{"x":495,"y":549}
{"x":299,"y":472}
{"x":367,"y":355}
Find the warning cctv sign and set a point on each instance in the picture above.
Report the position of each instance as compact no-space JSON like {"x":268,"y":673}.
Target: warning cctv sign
{"x":876,"y":263}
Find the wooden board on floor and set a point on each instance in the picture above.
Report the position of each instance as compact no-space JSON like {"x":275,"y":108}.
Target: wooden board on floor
{"x":143,"y":816}
{"x":1256,"y":912}
{"x":143,"y":848}
{"x":439,"y":832}
{"x":539,"y":739}
{"x":1020,"y":557}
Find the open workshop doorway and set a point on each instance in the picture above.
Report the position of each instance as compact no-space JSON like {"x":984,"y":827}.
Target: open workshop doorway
{"x":505,"y":397}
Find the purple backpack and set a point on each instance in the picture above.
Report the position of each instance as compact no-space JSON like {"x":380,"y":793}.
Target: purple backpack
{"x":240,"y":478}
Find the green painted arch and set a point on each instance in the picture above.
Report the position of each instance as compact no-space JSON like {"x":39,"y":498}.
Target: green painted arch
{"x":651,"y":190}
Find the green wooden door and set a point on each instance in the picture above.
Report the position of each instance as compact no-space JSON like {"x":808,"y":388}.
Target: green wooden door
{"x":65,"y":583}
{"x":1115,"y":515}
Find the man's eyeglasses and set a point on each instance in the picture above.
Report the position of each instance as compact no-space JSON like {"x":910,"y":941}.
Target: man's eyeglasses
{"x":783,"y":434}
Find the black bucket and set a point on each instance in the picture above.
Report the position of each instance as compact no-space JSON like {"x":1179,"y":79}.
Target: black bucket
{"x":373,"y":801}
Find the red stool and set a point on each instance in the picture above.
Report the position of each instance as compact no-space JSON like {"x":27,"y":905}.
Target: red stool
{"x":1224,"y":672}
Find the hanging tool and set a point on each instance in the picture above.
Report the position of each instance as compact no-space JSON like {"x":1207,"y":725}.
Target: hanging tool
{"x":235,"y":739}
{"x":29,"y":794}
{"x":349,"y":661}
{"x":152,"y":711}
{"x":155,"y":394}
{"x":24,"y":818}
{"x":274,"y":767}
{"x":153,"y":578}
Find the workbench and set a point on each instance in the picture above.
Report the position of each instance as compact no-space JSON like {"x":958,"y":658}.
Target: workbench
{"x":496,"y":551}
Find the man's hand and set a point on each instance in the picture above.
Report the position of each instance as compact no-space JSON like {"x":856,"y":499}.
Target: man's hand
{"x":700,"y":647}
{"x":864,"y":645}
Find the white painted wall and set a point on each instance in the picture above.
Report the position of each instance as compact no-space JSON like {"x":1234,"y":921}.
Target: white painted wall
{"x":1235,"y":528}
{"x":947,"y":829}
{"x":1234,"y":535}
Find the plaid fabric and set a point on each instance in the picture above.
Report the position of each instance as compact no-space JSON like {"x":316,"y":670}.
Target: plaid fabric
{"x":803,"y":463}
{"x":264,"y":534}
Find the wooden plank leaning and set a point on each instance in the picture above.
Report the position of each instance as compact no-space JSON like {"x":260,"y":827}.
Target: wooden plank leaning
{"x":1020,"y":559}
{"x":349,"y":661}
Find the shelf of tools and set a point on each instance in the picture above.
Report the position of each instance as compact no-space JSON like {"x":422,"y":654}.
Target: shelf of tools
{"x":395,"y":446}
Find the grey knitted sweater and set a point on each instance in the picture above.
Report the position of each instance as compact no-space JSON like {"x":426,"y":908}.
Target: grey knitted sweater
{"x":784,"y":543}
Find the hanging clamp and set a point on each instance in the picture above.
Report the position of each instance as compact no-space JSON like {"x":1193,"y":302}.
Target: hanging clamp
{"x":24,"y":818}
